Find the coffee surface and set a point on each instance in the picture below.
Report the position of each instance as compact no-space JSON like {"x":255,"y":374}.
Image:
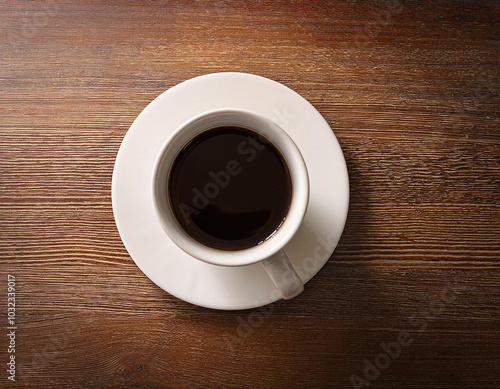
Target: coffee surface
{"x":229,"y":188}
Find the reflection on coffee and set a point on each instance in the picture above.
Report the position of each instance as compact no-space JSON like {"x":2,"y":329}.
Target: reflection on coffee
{"x":229,"y":188}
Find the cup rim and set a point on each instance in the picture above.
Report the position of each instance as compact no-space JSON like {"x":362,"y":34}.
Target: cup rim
{"x":273,"y":244}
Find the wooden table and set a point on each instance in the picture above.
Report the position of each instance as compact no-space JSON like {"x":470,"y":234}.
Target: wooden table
{"x":409,"y":299}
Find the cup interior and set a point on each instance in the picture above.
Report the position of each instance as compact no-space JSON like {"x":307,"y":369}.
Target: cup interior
{"x":262,"y":126}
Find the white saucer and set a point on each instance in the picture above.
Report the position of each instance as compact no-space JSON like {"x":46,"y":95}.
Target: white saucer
{"x":150,"y":247}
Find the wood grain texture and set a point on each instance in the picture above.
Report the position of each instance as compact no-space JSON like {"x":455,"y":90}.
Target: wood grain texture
{"x":411,"y":90}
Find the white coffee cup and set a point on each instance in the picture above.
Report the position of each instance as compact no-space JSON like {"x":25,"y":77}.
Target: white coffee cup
{"x":270,"y":252}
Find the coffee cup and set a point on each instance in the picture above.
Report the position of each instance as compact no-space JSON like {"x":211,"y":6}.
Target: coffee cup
{"x":228,"y":204}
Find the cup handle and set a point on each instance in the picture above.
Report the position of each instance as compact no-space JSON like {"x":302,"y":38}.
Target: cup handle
{"x":283,"y":275}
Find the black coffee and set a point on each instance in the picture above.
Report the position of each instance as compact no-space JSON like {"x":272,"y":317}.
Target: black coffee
{"x":229,"y":188}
